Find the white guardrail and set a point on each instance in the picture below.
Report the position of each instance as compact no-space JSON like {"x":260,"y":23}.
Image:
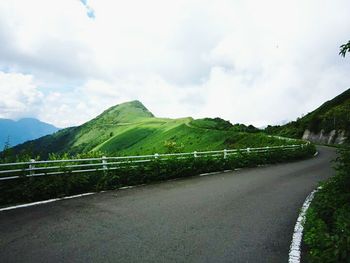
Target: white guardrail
{"x":10,"y":171}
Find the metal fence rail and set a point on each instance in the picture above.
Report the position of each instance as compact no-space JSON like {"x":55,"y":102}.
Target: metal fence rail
{"x":33,"y":168}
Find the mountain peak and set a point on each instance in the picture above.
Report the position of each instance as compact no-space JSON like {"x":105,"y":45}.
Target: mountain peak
{"x":132,"y":103}
{"x":131,"y":111}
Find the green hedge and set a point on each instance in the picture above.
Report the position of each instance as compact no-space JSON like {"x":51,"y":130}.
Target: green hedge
{"x":327,"y":225}
{"x":45,"y":187}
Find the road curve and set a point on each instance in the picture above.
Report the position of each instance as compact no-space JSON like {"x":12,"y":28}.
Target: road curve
{"x":240,"y":216}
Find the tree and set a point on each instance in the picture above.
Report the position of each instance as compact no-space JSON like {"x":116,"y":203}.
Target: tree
{"x":7,"y":151}
{"x":344,"y":48}
{"x":7,"y":144}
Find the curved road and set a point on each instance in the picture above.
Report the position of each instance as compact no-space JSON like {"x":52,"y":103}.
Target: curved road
{"x":240,"y":216}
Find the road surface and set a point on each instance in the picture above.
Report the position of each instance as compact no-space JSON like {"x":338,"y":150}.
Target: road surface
{"x":239,"y":216}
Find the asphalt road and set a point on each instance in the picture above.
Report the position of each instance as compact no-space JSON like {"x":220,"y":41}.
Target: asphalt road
{"x":240,"y":216}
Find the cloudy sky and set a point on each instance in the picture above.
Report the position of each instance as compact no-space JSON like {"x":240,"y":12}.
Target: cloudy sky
{"x":248,"y":61}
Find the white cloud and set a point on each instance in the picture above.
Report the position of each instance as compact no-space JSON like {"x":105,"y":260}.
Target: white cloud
{"x":20,"y":96}
{"x":248,"y":61}
{"x":80,"y":104}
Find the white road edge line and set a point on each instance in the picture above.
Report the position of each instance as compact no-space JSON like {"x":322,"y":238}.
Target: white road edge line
{"x":211,"y":173}
{"x":43,"y":202}
{"x":294,"y":250}
{"x":86,"y":194}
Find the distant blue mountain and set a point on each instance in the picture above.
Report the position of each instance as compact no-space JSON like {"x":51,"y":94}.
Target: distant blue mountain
{"x":16,"y":132}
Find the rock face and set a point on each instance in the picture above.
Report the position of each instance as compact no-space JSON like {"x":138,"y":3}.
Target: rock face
{"x":333,"y":137}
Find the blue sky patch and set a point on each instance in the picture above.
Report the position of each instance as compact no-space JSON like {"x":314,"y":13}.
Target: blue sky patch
{"x":89,"y":11}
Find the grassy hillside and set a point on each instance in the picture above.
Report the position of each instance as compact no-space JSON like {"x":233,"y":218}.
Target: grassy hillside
{"x":332,"y":115}
{"x":130,"y":129}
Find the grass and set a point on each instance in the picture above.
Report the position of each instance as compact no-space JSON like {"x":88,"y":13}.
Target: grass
{"x":146,"y":139}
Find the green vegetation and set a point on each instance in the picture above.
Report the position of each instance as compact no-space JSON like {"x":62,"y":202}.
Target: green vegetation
{"x":130,"y":129}
{"x":327,"y":226}
{"x":332,"y":115}
{"x":28,"y":189}
{"x":222,"y":125}
{"x":344,"y":49}
{"x":213,"y":124}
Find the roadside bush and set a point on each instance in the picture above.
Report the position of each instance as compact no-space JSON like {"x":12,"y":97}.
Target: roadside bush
{"x":28,"y":189}
{"x":327,"y":225}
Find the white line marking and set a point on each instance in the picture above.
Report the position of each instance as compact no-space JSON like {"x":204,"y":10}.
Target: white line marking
{"x":126,"y":187}
{"x":294,"y":250}
{"x":211,"y":173}
{"x":80,"y":195}
{"x":121,"y":188}
{"x":43,"y":202}
{"x":130,"y":186}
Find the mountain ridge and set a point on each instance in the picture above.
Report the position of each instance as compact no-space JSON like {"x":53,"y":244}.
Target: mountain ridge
{"x":131,"y":129}
{"x":329,"y":123}
{"x":14,"y":132}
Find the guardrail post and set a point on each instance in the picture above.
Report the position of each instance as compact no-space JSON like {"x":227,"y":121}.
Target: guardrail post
{"x":156,"y":155}
{"x":32,"y":166}
{"x":248,"y":150}
{"x":195,"y":154}
{"x":225,"y":153}
{"x":104,"y":162}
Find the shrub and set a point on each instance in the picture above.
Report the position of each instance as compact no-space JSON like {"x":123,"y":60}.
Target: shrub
{"x":28,"y":189}
{"x":327,"y":225}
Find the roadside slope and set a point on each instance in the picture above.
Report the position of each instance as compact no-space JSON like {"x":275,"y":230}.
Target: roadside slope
{"x":328,"y":124}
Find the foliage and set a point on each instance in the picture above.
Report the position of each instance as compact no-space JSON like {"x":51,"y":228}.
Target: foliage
{"x":27,"y":189}
{"x":344,"y":48}
{"x":7,"y":151}
{"x":7,"y":144}
{"x":243,"y":128}
{"x":327,"y":226}
{"x":215,"y":124}
{"x":173,"y":147}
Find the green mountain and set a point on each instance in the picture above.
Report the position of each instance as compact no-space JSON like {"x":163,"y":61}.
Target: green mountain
{"x":130,"y":129}
{"x":330,"y":123}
